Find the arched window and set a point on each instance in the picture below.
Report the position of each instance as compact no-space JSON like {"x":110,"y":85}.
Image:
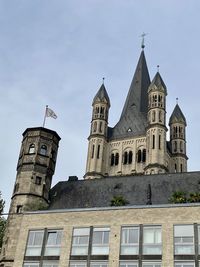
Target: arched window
{"x":139,"y":156}
{"x":43,"y":150}
{"x":31,"y":149}
{"x":153,"y":116}
{"x":92,"y":155}
{"x":95,"y":127}
{"x":112,"y":161}
{"x":181,"y":167}
{"x":100,"y":127}
{"x":130,"y":157}
{"x":125,"y":157}
{"x":160,"y":116}
{"x":153,"y":141}
{"x":116,"y":158}
{"x":144,"y":155}
{"x":175,"y":146}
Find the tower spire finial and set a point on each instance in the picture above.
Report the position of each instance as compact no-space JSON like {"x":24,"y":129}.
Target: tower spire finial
{"x":158,"y":68}
{"x":143,"y":35}
{"x":103,"y":80}
{"x":177,"y":100}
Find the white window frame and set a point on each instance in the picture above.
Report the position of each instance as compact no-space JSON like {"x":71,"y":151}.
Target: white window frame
{"x":99,"y":263}
{"x":128,"y":263}
{"x":30,"y":264}
{"x":154,"y":244}
{"x":102,"y":244}
{"x":182,"y":243}
{"x":184,"y":263}
{"x":152,"y":263}
{"x":32,"y":246}
{"x":125,"y":243}
{"x":56,"y":245}
{"x":78,"y":263}
{"x":76,"y":239}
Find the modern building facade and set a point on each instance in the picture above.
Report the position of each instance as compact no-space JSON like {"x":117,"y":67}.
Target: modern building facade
{"x":137,"y":206}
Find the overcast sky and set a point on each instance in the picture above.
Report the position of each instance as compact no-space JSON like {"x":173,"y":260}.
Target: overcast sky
{"x":56,"y":52}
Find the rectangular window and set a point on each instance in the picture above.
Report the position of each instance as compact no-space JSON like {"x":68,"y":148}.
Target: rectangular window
{"x":31,"y":264}
{"x":151,"y":264}
{"x":100,"y":241}
{"x":98,"y":151}
{"x":34,"y":244}
{"x":153,"y":141}
{"x":152,"y":242}
{"x":78,"y":264}
{"x":130,"y":240}
{"x":50,"y":264}
{"x":53,"y":243}
{"x":80,"y":241}
{"x":128,"y":264}
{"x":99,"y":264}
{"x":184,"y":264}
{"x":183,"y":239}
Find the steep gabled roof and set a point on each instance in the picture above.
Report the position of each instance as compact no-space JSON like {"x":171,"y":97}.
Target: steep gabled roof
{"x":133,"y":119}
{"x":101,"y":95}
{"x":177,"y":116}
{"x":158,"y":82}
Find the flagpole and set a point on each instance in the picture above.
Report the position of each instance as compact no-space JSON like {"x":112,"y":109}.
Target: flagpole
{"x":45,"y":115}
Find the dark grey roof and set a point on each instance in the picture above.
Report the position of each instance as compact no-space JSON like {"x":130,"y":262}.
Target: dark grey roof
{"x":101,"y":95}
{"x":133,"y":119}
{"x":137,"y":190}
{"x":177,"y":116}
{"x":158,"y":81}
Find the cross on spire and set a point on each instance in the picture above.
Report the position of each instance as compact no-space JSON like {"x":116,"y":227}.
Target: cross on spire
{"x":143,"y":35}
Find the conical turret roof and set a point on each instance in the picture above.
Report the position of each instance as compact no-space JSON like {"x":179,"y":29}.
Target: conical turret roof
{"x":101,"y":95}
{"x":158,"y":82}
{"x":133,"y":119}
{"x":177,"y":116}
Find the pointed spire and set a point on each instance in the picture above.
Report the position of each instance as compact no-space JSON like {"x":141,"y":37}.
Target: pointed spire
{"x":102,"y":95}
{"x":177,"y":116}
{"x":158,"y":82}
{"x":137,"y":96}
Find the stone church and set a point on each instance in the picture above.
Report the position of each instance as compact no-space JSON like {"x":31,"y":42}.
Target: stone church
{"x":137,"y":205}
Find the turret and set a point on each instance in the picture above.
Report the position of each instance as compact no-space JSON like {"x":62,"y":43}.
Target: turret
{"x":177,"y":123}
{"x":98,"y":134}
{"x":35,"y":168}
{"x":156,"y":130}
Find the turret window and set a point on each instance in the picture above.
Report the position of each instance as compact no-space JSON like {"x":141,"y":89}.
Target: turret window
{"x":160,"y":116}
{"x":92,"y":156}
{"x":153,"y":141}
{"x":98,"y":151}
{"x":181,"y":146}
{"x":100,"y":127}
{"x":175,"y":146}
{"x":31,"y":149}
{"x":116,"y":158}
{"x":95,"y":127}
{"x":159,"y":142}
{"x":38,"y":180}
{"x":153,"y":116}
{"x":43,"y":150}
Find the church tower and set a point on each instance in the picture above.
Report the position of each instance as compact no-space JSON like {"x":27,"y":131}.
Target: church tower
{"x":177,"y":123}
{"x":156,"y":131}
{"x":35,"y":168}
{"x":98,"y":135}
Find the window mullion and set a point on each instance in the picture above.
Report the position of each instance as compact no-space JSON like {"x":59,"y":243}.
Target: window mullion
{"x":43,"y":247}
{"x":196,"y":244}
{"x":90,"y":246}
{"x":140,"y":245}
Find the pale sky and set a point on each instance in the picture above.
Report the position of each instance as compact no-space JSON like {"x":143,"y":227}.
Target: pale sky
{"x":55,"y":52}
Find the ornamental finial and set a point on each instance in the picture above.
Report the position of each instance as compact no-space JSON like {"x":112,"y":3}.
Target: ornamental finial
{"x":143,"y":35}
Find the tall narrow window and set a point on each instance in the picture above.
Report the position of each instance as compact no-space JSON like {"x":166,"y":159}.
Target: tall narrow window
{"x":100,"y":241}
{"x":175,"y":167}
{"x":100,"y":127}
{"x":125,"y":157}
{"x":31,"y":149}
{"x":139,"y":156}
{"x":112,"y":161}
{"x":80,"y":241}
{"x":175,"y":146}
{"x":130,"y":240}
{"x":159,"y":142}
{"x":92,"y":156}
{"x":116,"y":158}
{"x":98,"y":151}
{"x":183,"y":239}
{"x":153,"y":141}
{"x":153,"y":116}
{"x":95,"y":127}
{"x":43,"y":150}
{"x":181,"y":167}
{"x":160,"y":116}
{"x":181,"y":146}
{"x":152,"y":243}
{"x":144,"y":155}
{"x":130,"y":157}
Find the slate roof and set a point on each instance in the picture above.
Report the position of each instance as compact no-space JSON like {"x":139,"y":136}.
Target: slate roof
{"x":133,"y":119}
{"x":158,"y":81}
{"x":101,"y":95}
{"x":177,"y":116}
{"x":137,"y":190}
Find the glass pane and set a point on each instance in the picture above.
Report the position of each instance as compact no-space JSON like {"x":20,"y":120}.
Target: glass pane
{"x":81,"y":231}
{"x":51,"y":239}
{"x":128,"y":264}
{"x":97,"y":238}
{"x":154,"y":250}
{"x":98,"y":264}
{"x":100,"y":250}
{"x":129,"y":250}
{"x":183,"y":230}
{"x":33,"y":251}
{"x":184,"y":249}
{"x":77,"y":264}
{"x":148,"y":236}
{"x":38,"y":238}
{"x":82,"y":250}
{"x":52,"y":251}
{"x":31,"y":264}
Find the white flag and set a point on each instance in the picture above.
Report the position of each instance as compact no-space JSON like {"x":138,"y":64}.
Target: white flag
{"x":50,"y":113}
